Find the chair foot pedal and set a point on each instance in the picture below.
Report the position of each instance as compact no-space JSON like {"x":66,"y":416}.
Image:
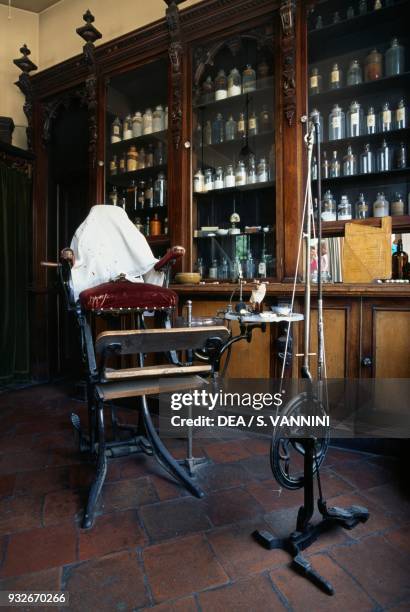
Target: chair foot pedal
{"x":267,"y":540}
{"x":83,"y":440}
{"x":303,"y":567}
{"x":347,"y":517}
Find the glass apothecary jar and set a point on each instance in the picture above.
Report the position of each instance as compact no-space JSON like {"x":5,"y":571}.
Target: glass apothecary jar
{"x":147,"y":122}
{"x":380,"y":206}
{"x":315,"y":82}
{"x":248,"y":79}
{"x":394,"y":58}
{"x":362,"y":208}
{"x":234,"y":83}
{"x":336,"y":77}
{"x":116,"y":129}
{"x":354,"y":73}
{"x":328,"y":207}
{"x":221,"y":86}
{"x":397,"y":206}
{"x":401,"y":115}
{"x":337,"y":123}
{"x":373,"y":66}
{"x":371,"y":123}
{"x":367,"y":165}
{"x":355,"y":117}
{"x":344,"y":209}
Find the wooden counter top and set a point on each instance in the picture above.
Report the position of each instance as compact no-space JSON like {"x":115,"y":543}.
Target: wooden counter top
{"x":285,"y":289}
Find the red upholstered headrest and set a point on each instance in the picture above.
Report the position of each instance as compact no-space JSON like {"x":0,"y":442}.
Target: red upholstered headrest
{"x":125,"y":295}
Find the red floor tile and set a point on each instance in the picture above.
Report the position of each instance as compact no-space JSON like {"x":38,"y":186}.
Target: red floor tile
{"x":60,"y":506}
{"x":115,"y":582}
{"x":365,"y":476}
{"x":244,"y":596}
{"x":378,"y":520}
{"x":39,"y":549}
{"x":28,"y":460}
{"x":231,"y":506}
{"x":47,"y":580}
{"x":181,"y":567}
{"x":400,"y":538}
{"x":174,"y":518}
{"x":187,"y":604}
{"x":41,"y":482}
{"x":7,"y":484}
{"x":128,"y":494}
{"x":226,"y":452}
{"x":111,"y":533}
{"x":222,"y":476}
{"x":19,"y":513}
{"x":391,"y":497}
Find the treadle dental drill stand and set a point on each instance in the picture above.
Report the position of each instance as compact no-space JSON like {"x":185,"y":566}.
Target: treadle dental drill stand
{"x":311,"y":448}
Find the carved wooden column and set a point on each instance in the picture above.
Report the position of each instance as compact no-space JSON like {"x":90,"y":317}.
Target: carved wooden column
{"x":24,"y":84}
{"x":90,"y":34}
{"x":292,"y":85}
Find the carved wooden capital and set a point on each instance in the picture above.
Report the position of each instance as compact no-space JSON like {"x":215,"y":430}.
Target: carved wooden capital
{"x":175,"y":52}
{"x":288,"y":69}
{"x":24,"y":84}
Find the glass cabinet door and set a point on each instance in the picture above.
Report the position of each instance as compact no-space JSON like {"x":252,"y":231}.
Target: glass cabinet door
{"x":136,"y":148}
{"x":233,"y":158}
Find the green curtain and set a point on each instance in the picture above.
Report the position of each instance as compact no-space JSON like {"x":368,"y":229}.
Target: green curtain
{"x":15,"y":206}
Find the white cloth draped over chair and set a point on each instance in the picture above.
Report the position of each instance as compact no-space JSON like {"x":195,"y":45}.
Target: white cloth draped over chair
{"x":106,"y":245}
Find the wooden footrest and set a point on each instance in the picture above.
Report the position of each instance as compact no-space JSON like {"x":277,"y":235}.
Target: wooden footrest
{"x":157,"y":370}
{"x":136,"y":388}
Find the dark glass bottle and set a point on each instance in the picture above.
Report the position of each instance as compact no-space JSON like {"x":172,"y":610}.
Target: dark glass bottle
{"x":399,"y":262}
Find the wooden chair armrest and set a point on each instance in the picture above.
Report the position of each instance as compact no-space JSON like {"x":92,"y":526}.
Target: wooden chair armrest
{"x":170,"y":258}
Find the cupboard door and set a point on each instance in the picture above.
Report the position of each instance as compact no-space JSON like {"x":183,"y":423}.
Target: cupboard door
{"x":385,"y":339}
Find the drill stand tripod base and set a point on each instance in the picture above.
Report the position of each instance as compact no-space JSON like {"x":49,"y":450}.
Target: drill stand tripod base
{"x":306,"y":533}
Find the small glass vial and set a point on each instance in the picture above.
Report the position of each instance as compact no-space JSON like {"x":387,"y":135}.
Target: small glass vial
{"x":223,"y":272}
{"x":336,"y":123}
{"x":397,"y":206}
{"x":401,"y":115}
{"x":355,"y":120}
{"x":373,"y":66}
{"x":113,"y":196}
{"x":230,"y":128}
{"x":122,"y":166}
{"x":336,"y":17}
{"x":262,"y":171}
{"x":200,"y":267}
{"x":367,"y":165}
{"x":240,"y":174}
{"x":265,"y":121}
{"x":325,"y":166}
{"x":141,"y":159}
{"x":149,"y":194}
{"x":241,"y":127}
{"x":315,"y":82}
{"x":155,"y":228}
{"x":208,"y":180}
{"x":113,"y":166}
{"x":159,"y":154}
{"x":249,"y":266}
{"x":349,"y":163}
{"x":147,"y":122}
{"x":139,"y":225}
{"x":384,"y":162}
{"x":362,"y":7}
{"x":213,"y":270}
{"x":248,"y":79}
{"x":380,"y":206}
{"x":149,"y":156}
{"x":219,"y":178}
{"x":137,"y":125}
{"x":334,"y":166}
{"x":198,"y":181}
{"x":350,"y":12}
{"x":158,"y":119}
{"x":371,"y":121}
{"x":229,"y":178}
{"x":234,"y":83}
{"x":218,"y":131}
{"x":116,"y":130}
{"x":354,"y":74}
{"x":377,"y":5}
{"x":160,"y":190}
{"x":127,"y":128}
{"x":313,"y":171}
{"x":328,"y":207}
{"x":394,"y":58}
{"x":252,"y":175}
{"x":362,"y":208}
{"x":344,"y":210}
{"x":132,"y":159}
{"x":141,"y":195}
{"x":319,"y":22}
{"x":386,"y":118}
{"x":252,"y":124}
{"x":221,"y":86}
{"x":335,"y":80}
{"x":208,"y":133}
{"x":401,"y":156}
{"x":208,"y":89}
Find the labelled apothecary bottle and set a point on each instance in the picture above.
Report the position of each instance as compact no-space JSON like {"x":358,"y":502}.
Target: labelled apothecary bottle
{"x":354,"y":74}
{"x":336,"y":123}
{"x":397,"y":206}
{"x":219,"y":178}
{"x":328,"y":207}
{"x":313,"y":172}
{"x":137,"y":124}
{"x":367,"y":164}
{"x":336,"y":76}
{"x":401,"y":156}
{"x":113,"y":166}
{"x":373,"y":66}
{"x":334,"y":166}
{"x":221,"y":86}
{"x":229,"y":178}
{"x":384,"y":158}
{"x":240,"y":174}
{"x":218,"y":129}
{"x":265,"y":121}
{"x":349,"y":163}
{"x":344,"y":210}
{"x":371,"y":121}
{"x":248,"y":79}
{"x":355,"y":120}
{"x":208,"y":89}
{"x":325,"y":166}
{"x":147,"y":122}
{"x":198,"y":181}
{"x":380,"y":206}
{"x":394,"y":58}
{"x":253,"y":124}
{"x":241,"y":126}
{"x":386,"y":118}
{"x":234,"y":83}
{"x":230,"y":129}
{"x":116,"y":130}
{"x":262,"y":171}
{"x":315,"y":82}
{"x":127,"y":128}
{"x":158,"y":119}
{"x":252,"y":175}
{"x":160,"y":190}
{"x":362,"y":208}
{"x":315,"y":116}
{"x":401,"y":115}
{"x":208,"y":180}
{"x":132,"y":159}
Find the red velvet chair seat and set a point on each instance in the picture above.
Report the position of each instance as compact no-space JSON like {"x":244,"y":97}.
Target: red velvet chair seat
{"x":124,"y":295}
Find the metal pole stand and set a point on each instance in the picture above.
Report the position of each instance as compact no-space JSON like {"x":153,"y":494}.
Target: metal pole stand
{"x":306,"y":533}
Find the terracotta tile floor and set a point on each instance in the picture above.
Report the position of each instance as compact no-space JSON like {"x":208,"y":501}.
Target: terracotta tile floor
{"x":154,"y":546}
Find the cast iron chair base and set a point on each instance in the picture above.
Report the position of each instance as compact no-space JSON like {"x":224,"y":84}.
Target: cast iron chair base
{"x":297,"y":541}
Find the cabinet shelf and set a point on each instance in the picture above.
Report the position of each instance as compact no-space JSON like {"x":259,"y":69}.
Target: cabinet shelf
{"x":367,"y":177}
{"x":269,"y":233}
{"x":262,"y":88}
{"x":124,"y":179}
{"x":251,"y":187}
{"x":145,"y":139}
{"x":395,"y":135}
{"x":336,"y":228}
{"x":160,"y":240}
{"x":252,"y":140}
{"x":351,"y":92}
